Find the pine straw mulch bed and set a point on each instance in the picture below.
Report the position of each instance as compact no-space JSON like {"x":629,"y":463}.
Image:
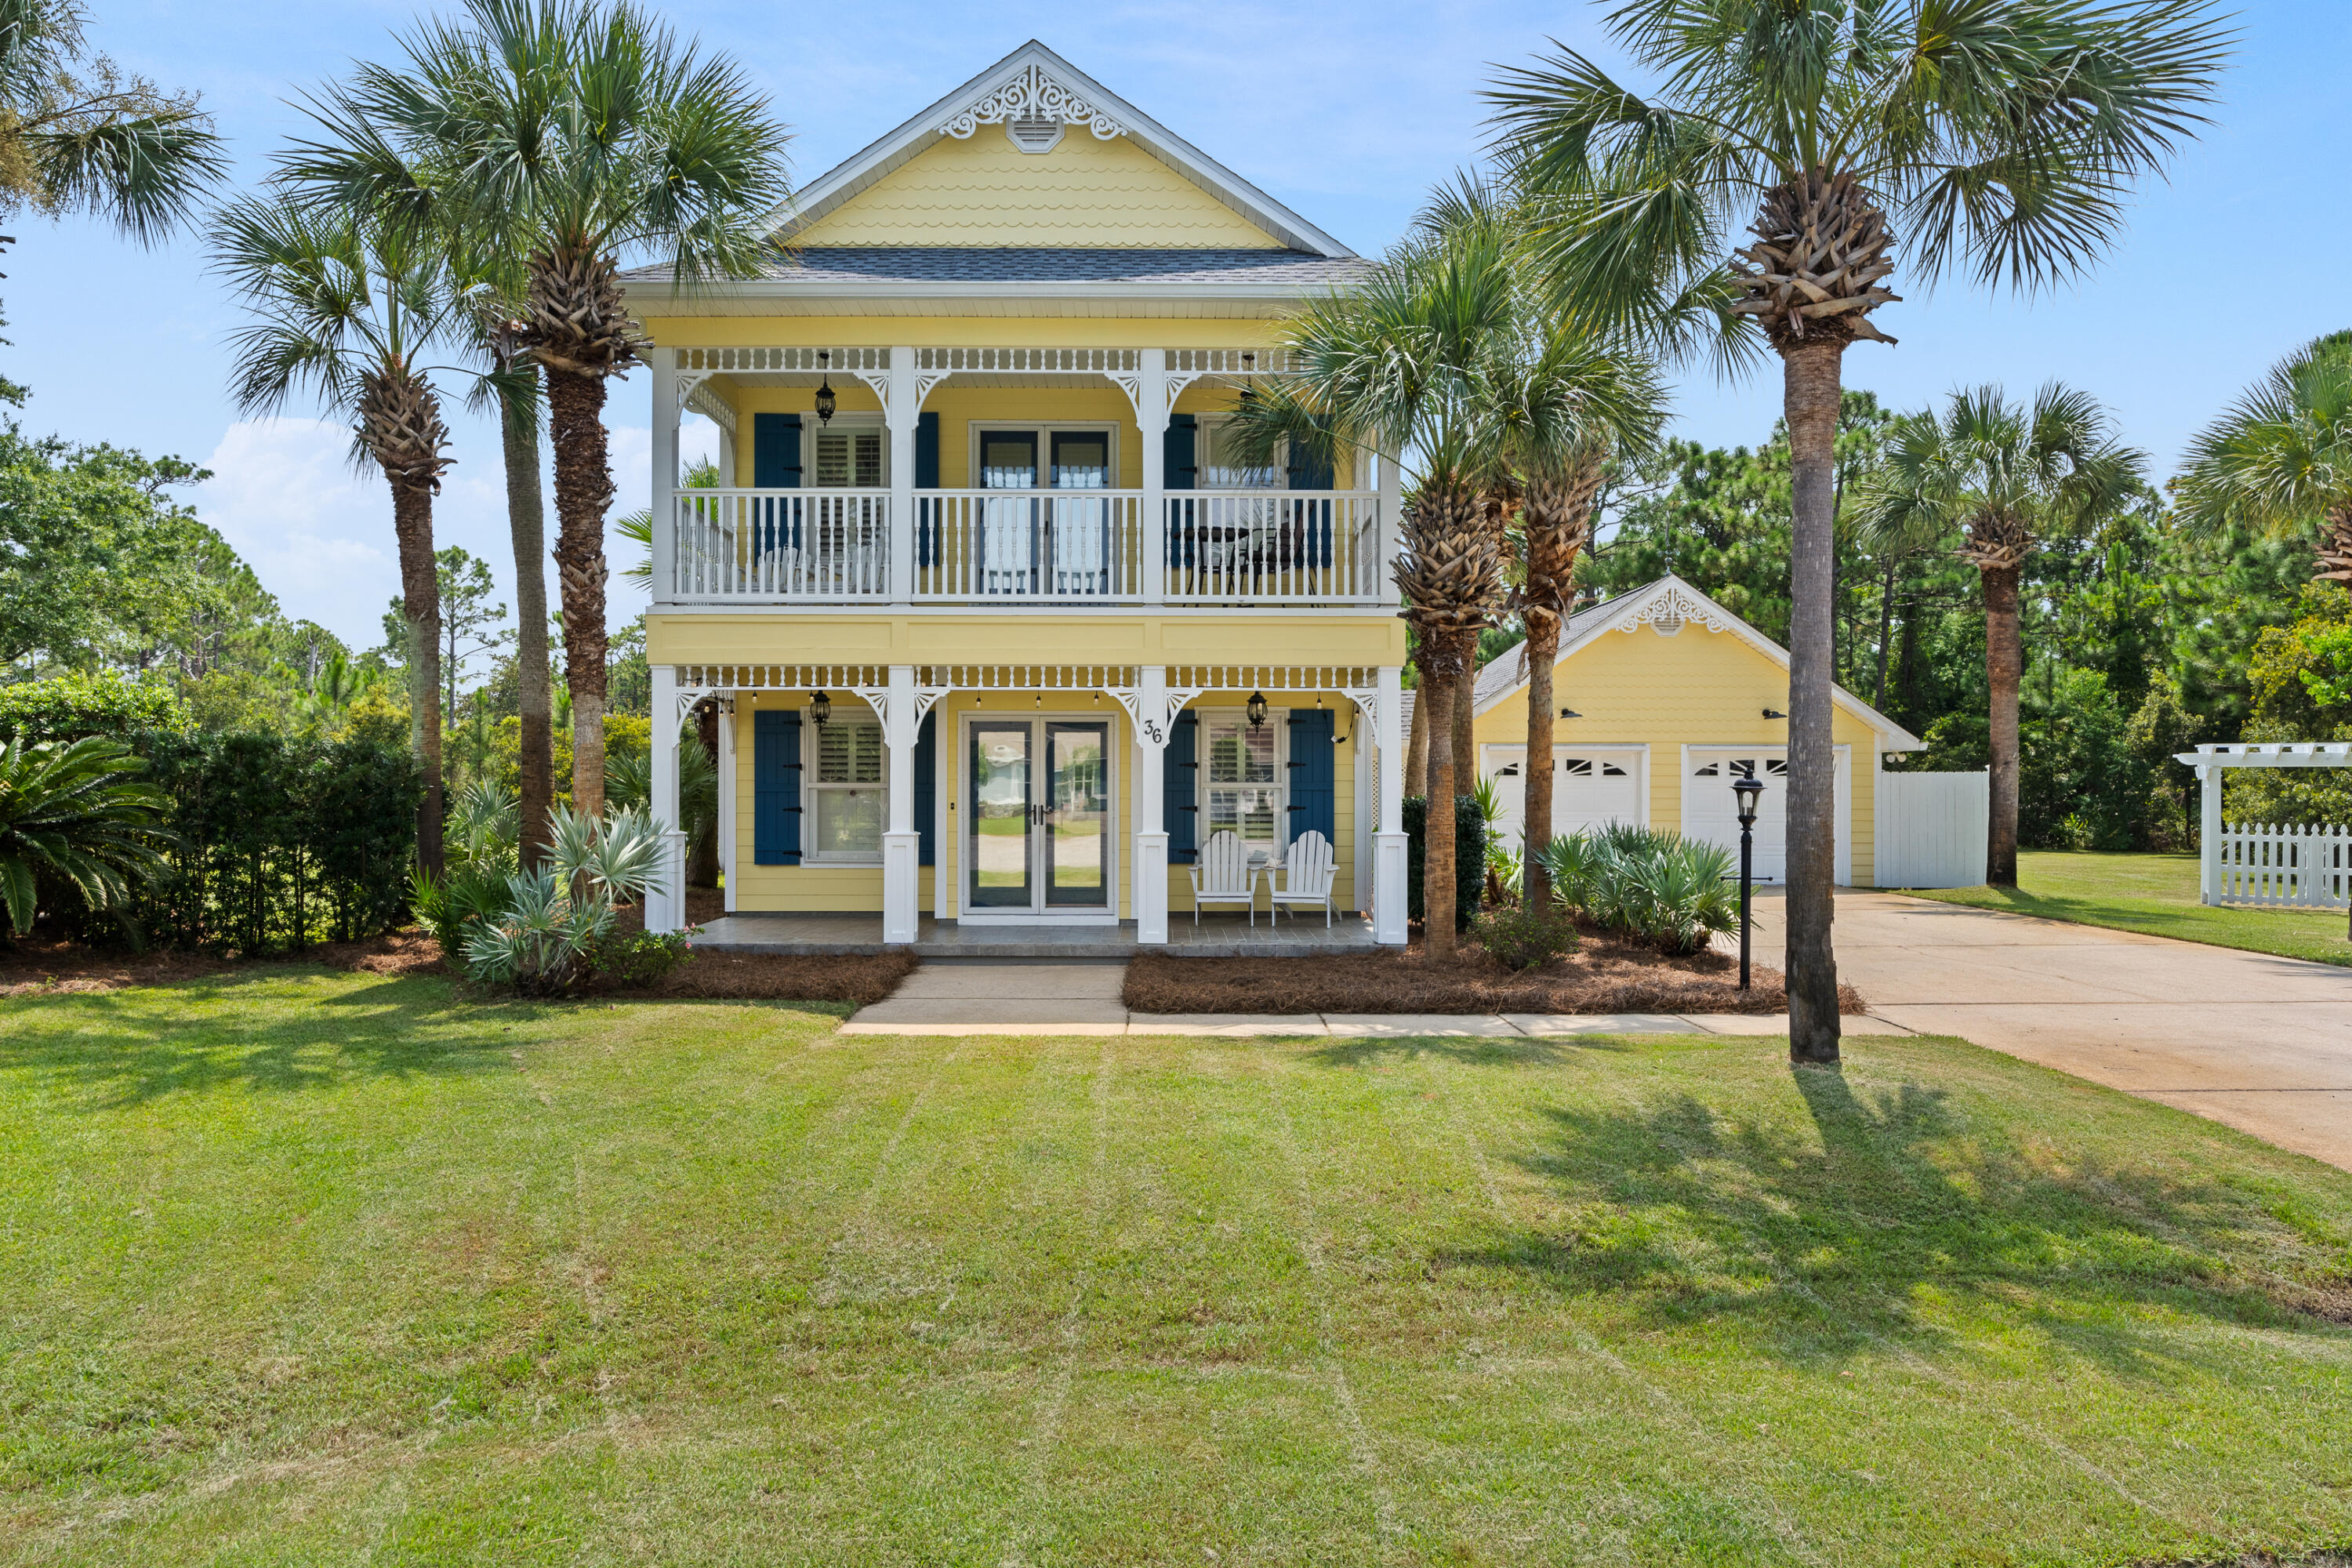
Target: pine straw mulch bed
{"x":1605,"y":974}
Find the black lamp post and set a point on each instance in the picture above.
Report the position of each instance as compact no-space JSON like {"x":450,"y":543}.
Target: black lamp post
{"x":1747,"y":786}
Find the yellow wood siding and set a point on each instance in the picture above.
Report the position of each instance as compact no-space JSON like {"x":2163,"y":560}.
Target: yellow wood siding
{"x":808,"y":890}
{"x":984,"y":191}
{"x":1696,"y":688}
{"x":801,"y":636}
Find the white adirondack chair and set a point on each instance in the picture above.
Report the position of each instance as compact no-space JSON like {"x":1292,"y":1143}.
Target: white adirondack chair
{"x":1223,"y":876}
{"x":1306,"y":876}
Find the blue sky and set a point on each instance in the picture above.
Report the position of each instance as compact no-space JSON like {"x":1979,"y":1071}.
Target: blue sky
{"x":1347,"y":112}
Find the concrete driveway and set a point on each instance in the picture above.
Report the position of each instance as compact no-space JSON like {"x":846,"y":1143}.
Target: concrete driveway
{"x":2263,"y":1044}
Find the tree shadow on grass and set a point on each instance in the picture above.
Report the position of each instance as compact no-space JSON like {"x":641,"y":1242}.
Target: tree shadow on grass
{"x":1885,"y":1214}
{"x":1470,"y":1050}
{"x":127,"y":1047}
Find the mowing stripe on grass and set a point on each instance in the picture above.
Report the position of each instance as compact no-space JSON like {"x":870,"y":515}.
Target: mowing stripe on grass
{"x":828,"y":1289}
{"x":1761,"y":1508}
{"x":1310,"y":1246}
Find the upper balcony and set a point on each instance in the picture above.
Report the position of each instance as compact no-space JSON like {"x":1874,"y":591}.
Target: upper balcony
{"x":1078,"y":479}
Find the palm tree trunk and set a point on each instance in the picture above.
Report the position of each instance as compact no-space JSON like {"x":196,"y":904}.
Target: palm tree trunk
{"x":1416,"y":748}
{"x":2004,"y":673}
{"x":1465,"y":692}
{"x":1437,"y":682}
{"x":527,"y":520}
{"x":1810,"y":406}
{"x":1535,"y":815}
{"x":583,"y":492}
{"x":420,"y":604}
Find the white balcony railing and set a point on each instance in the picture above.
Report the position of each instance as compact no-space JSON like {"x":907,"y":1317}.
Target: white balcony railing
{"x":1043,"y":546}
{"x":978,"y":545}
{"x":784,"y":544}
{"x":1273,"y":546}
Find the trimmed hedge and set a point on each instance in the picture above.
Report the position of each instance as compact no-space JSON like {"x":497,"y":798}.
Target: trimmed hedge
{"x":1469,"y":857}
{"x":283,"y":843}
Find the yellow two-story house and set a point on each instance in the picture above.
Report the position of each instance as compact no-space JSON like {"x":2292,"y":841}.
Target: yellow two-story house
{"x":1000,"y":629}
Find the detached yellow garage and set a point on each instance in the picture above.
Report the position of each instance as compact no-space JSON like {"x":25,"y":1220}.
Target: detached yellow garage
{"x":1666,"y":697}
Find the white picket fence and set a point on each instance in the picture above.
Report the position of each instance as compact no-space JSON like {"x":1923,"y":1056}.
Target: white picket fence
{"x":2306,"y":868}
{"x":1931,"y":829}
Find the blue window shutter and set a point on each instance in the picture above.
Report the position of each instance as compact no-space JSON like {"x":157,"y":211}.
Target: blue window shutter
{"x":927,"y":783}
{"x":776,"y":451}
{"x":1314,"y":517}
{"x":1308,"y":472}
{"x":1180,"y":796}
{"x":926,"y":451}
{"x":776,"y":787}
{"x":1312,"y":768}
{"x":1180,"y":447}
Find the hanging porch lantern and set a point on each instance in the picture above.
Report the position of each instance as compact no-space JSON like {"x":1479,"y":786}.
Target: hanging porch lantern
{"x":820,"y":709}
{"x":1256,"y":709}
{"x":825,"y":402}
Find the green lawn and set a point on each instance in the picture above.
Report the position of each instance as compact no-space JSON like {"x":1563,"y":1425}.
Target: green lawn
{"x":2152,"y":893}
{"x":321,"y":1268}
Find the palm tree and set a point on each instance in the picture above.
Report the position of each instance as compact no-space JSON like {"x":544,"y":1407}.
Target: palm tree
{"x":2000,"y":476}
{"x":1402,"y":365}
{"x":345,"y":308}
{"x":578,"y":132}
{"x":2281,"y":459}
{"x":2004,"y":134}
{"x":77,"y":136}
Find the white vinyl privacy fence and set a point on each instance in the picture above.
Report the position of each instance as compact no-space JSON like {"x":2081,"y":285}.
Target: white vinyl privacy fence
{"x":1932,"y":829}
{"x":2298,"y":867}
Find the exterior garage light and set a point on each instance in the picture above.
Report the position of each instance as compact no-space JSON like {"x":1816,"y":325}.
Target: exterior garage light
{"x":1774,"y":713}
{"x":1256,"y":709}
{"x":1569,"y":714}
{"x":826,"y":401}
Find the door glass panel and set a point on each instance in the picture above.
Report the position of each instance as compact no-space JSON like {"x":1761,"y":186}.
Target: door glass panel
{"x":1081,"y":531}
{"x":1081,"y":460}
{"x":1008,"y":459}
{"x":1001,"y":799}
{"x":1078,"y":821}
{"x":1008,"y":540}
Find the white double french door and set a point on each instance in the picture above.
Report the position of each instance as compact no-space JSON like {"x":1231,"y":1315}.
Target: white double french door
{"x":1038,"y":838}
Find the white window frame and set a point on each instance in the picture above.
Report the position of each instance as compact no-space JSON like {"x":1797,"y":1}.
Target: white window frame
{"x":812,"y":786}
{"x":811,"y":429}
{"x":1044,"y":431}
{"x":1207,"y":426}
{"x":1202,"y":748}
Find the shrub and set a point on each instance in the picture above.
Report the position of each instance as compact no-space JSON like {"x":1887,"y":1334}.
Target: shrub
{"x":76,"y":815}
{"x":551,"y":918}
{"x":1469,"y":857}
{"x":470,"y":897}
{"x":69,"y":707}
{"x":1661,"y":889}
{"x":630,"y":960}
{"x":1519,"y":937}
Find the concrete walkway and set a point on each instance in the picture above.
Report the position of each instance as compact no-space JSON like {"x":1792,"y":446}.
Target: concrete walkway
{"x":1084,"y":999}
{"x":2261,"y":1044}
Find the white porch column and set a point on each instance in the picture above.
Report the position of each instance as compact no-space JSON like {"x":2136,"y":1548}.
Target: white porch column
{"x":665,"y":473}
{"x":901,"y":844}
{"x":727,"y":795}
{"x":2208,"y":837}
{"x":1152,"y":423}
{"x":665,"y":897}
{"x":904,"y":417}
{"x":1150,"y":893}
{"x":1389,"y":844}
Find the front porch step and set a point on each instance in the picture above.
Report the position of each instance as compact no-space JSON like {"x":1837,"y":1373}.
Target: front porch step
{"x":1222,"y":937}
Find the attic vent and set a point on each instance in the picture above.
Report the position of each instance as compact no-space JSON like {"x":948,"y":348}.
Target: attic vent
{"x":1668,"y":621}
{"x":1035,"y":133}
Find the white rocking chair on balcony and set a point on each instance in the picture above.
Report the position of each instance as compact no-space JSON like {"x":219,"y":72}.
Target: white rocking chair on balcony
{"x":1307,"y":875}
{"x":1223,"y":876}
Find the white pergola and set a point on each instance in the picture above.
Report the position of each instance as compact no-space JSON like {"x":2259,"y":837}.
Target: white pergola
{"x":2211,"y":760}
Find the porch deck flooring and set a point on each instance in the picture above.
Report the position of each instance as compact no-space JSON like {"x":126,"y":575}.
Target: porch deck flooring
{"x":1217,"y":936}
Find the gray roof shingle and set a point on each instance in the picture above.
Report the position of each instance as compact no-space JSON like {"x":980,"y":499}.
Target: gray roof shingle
{"x":1287,"y":270}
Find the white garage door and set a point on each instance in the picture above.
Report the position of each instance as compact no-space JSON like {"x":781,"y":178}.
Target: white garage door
{"x":1711,"y":810}
{"x":1591,"y":785}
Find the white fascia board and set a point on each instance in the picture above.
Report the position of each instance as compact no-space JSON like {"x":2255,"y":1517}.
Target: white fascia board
{"x":651,"y":293}
{"x":879,"y":158}
{"x":1892,"y":737}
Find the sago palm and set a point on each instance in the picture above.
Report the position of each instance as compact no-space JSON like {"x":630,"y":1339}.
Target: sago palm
{"x":582,"y":132}
{"x":2281,"y":459}
{"x":1998,"y":476}
{"x":345,"y":311}
{"x":1999,"y":135}
{"x":80,"y":816}
{"x":77,"y":136}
